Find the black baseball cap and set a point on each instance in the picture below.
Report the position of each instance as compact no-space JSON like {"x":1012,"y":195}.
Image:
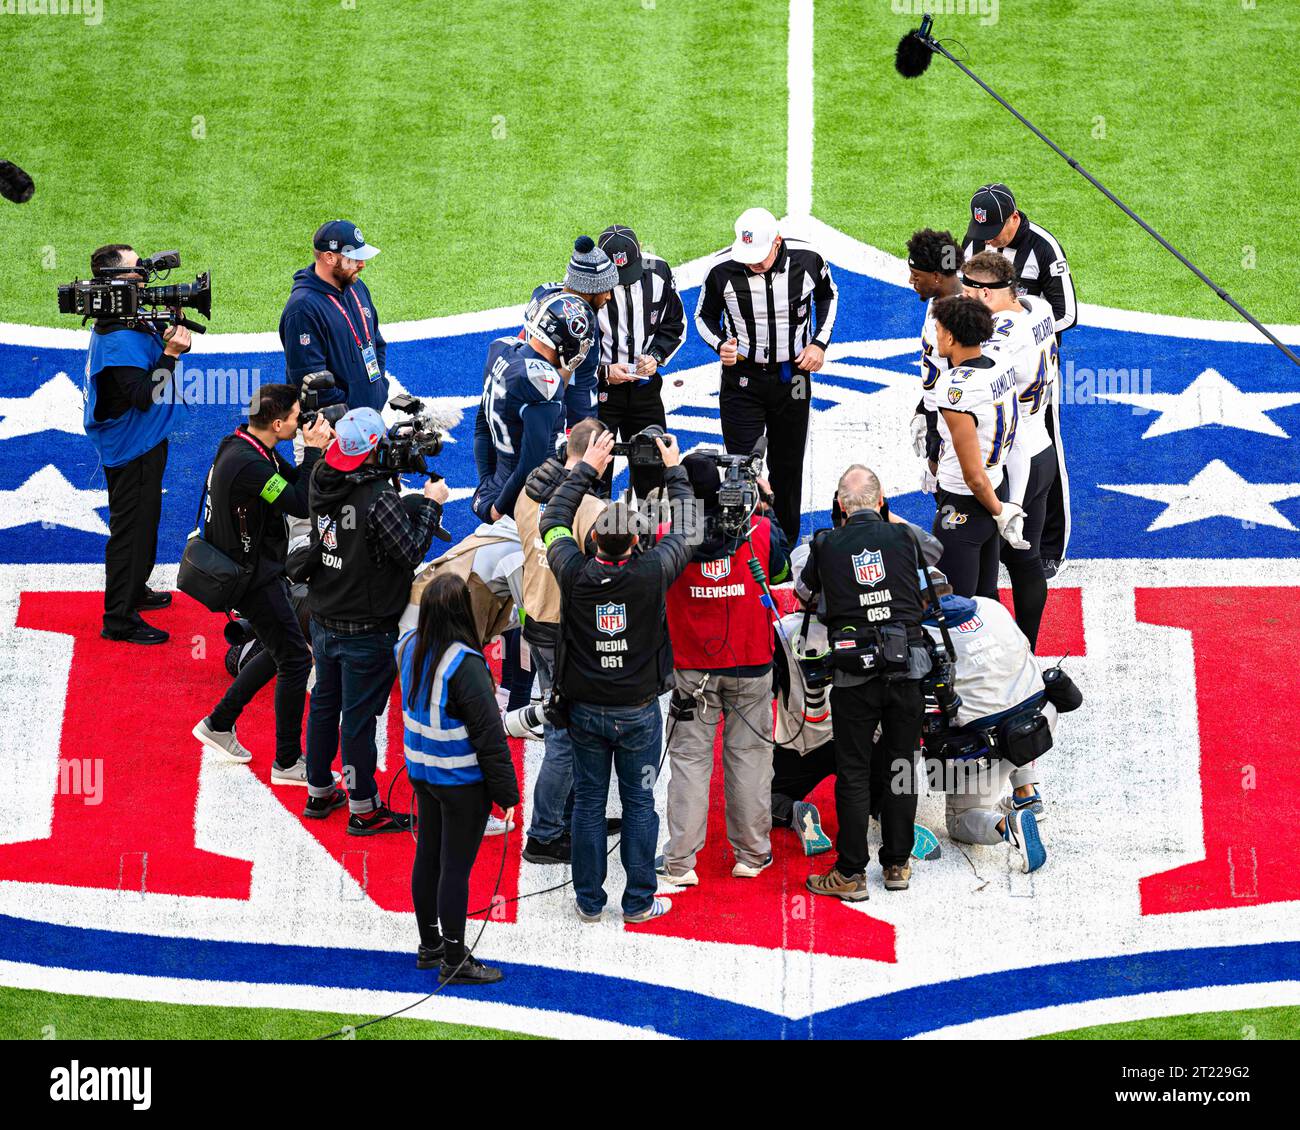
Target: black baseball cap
{"x":990,"y":209}
{"x":344,"y":237}
{"x":624,"y":249}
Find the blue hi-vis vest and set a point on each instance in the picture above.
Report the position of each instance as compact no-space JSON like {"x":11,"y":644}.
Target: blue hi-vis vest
{"x":134,"y":432}
{"x":437,"y":746}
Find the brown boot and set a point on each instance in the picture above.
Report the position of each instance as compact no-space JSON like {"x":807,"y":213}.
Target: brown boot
{"x":851,"y":888}
{"x":897,"y":876}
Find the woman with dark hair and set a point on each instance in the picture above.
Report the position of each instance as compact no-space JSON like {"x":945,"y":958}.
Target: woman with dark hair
{"x":459,"y":764}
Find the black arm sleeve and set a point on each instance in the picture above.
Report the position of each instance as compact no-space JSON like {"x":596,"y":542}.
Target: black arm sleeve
{"x":123,"y":387}
{"x":674,"y":549}
{"x":472,"y":698}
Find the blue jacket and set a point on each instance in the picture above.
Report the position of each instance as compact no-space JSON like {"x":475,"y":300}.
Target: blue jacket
{"x":128,"y":436}
{"x":437,"y":746}
{"x":316,"y":335}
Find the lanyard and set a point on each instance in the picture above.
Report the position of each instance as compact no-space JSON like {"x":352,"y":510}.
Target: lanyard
{"x":364,"y":324}
{"x":256,"y":446}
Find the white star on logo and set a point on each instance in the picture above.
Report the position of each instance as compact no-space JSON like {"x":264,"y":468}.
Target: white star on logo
{"x":1210,"y":399}
{"x":48,"y":498}
{"x":54,"y":407}
{"x":1215,"y":491}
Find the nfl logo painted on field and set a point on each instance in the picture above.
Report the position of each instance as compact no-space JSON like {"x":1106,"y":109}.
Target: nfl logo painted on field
{"x":611,"y":618}
{"x":716,"y":570}
{"x":869,"y":566}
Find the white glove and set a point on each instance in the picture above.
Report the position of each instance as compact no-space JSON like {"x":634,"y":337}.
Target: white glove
{"x":918,"y":427}
{"x":1011,"y":525}
{"x":929,"y":483}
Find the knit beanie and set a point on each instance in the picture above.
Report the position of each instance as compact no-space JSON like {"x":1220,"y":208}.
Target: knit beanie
{"x":590,"y":271}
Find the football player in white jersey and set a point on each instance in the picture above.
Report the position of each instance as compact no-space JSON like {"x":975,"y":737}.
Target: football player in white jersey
{"x":978,"y":412}
{"x":1023,"y":331}
{"x":933,"y":259}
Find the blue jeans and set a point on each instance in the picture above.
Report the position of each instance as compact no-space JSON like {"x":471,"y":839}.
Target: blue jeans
{"x":553,"y":792}
{"x":630,"y":738}
{"x":354,"y":675}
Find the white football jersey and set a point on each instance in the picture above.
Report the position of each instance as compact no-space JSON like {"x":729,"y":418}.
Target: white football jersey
{"x":931,"y":363}
{"x":985,"y":389}
{"x":1028,"y":336}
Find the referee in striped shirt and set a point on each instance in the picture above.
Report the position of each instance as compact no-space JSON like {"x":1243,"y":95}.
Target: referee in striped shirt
{"x":1041,"y":270}
{"x":641,"y":327}
{"x":768,"y":308}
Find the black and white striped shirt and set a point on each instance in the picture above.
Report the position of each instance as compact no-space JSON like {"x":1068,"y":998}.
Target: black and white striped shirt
{"x":1041,"y":269}
{"x":771,"y":315}
{"x":643,"y":317}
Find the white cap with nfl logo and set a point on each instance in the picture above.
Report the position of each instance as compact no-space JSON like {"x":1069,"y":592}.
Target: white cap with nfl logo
{"x":756,"y":231}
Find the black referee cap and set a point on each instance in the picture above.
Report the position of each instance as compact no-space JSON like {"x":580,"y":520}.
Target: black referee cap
{"x":990,"y":209}
{"x":622,"y":246}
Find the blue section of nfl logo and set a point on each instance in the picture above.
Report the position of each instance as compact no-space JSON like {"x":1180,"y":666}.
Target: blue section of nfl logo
{"x":611,"y":618}
{"x":869,"y":566}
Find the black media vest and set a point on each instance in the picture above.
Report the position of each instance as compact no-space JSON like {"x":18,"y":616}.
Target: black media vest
{"x":614,"y":648}
{"x":867,"y":570}
{"x":347,"y":586}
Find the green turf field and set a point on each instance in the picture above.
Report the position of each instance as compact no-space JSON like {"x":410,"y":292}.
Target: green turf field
{"x":471,"y":142}
{"x":1249,"y":1024}
{"x":29,"y":1015}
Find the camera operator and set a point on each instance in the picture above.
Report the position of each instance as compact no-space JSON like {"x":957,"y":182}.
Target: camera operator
{"x":867,"y":571}
{"x":250,"y":490}
{"x":132,"y":404}
{"x":330,"y":321}
{"x":613,"y":662}
{"x":721,"y":632}
{"x":999,"y":684}
{"x":368,"y":546}
{"x":549,"y":840}
{"x":640,"y":330}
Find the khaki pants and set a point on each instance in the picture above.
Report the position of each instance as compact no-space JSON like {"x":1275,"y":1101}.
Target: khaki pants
{"x":745,"y":708}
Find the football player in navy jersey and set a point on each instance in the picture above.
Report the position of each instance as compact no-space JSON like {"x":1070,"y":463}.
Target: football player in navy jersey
{"x":522,"y":410}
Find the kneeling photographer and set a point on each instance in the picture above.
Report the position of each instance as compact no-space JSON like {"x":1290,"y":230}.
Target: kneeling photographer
{"x":251,"y":488}
{"x":720,"y":624}
{"x":990,"y":714}
{"x":131,"y":405}
{"x":367,"y":543}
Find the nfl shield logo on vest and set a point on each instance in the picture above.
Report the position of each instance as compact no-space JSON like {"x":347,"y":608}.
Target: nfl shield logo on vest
{"x":869,"y":566}
{"x":611,"y":618}
{"x":715,"y":570}
{"x":974,"y":624}
{"x":328,"y":533}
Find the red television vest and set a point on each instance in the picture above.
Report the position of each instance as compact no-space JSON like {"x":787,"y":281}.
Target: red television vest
{"x":716,"y":619}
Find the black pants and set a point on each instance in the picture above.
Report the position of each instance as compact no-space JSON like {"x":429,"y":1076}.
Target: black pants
{"x":1053,"y":541}
{"x":765,"y":405}
{"x":855,"y":711}
{"x":450,"y":829}
{"x":1025,"y":566}
{"x":134,"y":508}
{"x":626,"y":409}
{"x":514,"y":678}
{"x":284,"y":656}
{"x":970,"y":542}
{"x":795,"y":776}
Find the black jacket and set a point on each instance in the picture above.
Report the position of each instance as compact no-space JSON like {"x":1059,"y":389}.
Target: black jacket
{"x":471,"y":697}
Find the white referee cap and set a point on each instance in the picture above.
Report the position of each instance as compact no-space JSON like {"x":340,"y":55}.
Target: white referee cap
{"x":756,"y":231}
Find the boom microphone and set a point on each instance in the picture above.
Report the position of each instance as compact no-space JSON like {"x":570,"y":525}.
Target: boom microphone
{"x":15,"y":184}
{"x":914,"y":50}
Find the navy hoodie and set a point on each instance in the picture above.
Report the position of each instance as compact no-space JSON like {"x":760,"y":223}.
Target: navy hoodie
{"x":316,"y":336}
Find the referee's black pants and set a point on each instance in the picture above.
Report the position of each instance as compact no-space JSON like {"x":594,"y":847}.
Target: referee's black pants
{"x":753,"y":403}
{"x":855,"y":711}
{"x":627,"y":409}
{"x":134,"y":509}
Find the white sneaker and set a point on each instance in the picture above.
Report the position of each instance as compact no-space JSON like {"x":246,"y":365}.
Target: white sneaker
{"x":1022,"y":836}
{"x":296,"y":774}
{"x":223,"y":742}
{"x":680,"y":879}
{"x":750,"y":870}
{"x":498,"y":827}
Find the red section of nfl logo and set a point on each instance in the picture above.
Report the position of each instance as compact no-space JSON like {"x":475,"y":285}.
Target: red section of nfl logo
{"x":611,"y":618}
{"x":716,"y":570}
{"x":869,"y":566}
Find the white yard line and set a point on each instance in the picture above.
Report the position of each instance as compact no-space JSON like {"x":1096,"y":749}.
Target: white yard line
{"x":799,"y":112}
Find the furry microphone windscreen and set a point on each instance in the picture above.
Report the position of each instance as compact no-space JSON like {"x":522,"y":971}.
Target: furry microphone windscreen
{"x":913,"y":55}
{"x":15,"y":184}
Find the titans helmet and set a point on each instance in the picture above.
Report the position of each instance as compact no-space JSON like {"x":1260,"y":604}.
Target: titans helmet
{"x":564,"y":322}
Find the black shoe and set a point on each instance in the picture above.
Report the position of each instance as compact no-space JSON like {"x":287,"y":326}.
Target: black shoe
{"x":380,"y":820}
{"x":559,"y":850}
{"x":319,"y":807}
{"x":152,"y":601}
{"x":613,"y":825}
{"x":142,"y":633}
{"x":1052,"y":566}
{"x":471,"y":972}
{"x":428,"y":957}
